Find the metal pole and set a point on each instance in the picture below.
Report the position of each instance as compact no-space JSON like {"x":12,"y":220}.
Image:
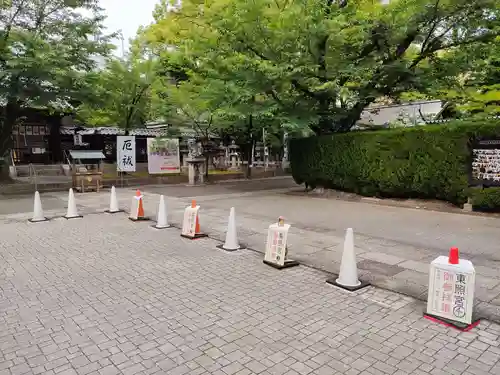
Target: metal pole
{"x":123,"y":44}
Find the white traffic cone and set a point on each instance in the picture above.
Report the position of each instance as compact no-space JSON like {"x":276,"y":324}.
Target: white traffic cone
{"x":231,"y":243}
{"x":162,"y":216}
{"x":72,"y":212}
{"x":37,"y":210}
{"x":113,"y":202}
{"x":348,"y":276}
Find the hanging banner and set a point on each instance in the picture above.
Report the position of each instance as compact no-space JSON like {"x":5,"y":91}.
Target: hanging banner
{"x":163,"y":156}
{"x":125,"y":153}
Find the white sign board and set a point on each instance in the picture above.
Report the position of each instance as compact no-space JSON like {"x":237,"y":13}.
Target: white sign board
{"x":77,"y":139}
{"x":163,"y":156}
{"x":189,"y":221}
{"x":276,"y":243}
{"x":125,"y":153}
{"x":451,"y":290}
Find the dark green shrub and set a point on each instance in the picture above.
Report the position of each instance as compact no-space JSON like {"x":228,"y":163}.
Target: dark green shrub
{"x":421,"y":162}
{"x":485,"y":199}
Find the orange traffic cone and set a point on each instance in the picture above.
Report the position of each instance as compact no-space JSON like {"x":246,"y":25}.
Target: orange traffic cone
{"x":197,"y":230}
{"x":137,"y":208}
{"x":140,"y":211}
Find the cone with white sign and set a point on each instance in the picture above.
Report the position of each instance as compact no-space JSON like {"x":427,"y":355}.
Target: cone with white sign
{"x":348,"y":276}
{"x":137,"y":208}
{"x":162,"y":216}
{"x":38,"y":215}
{"x":451,"y":292}
{"x":72,"y":212}
{"x":113,"y":202}
{"x":276,"y":254}
{"x":231,"y":243}
{"x":191,"y":222}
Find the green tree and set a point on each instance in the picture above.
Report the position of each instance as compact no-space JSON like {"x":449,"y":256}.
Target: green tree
{"x":120,"y":94}
{"x":323,"y":61}
{"x":477,"y":91}
{"x":45,"y":46}
{"x":211,"y":104}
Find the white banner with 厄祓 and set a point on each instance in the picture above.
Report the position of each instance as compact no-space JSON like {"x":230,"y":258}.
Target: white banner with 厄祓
{"x":163,"y":156}
{"x":125,"y":153}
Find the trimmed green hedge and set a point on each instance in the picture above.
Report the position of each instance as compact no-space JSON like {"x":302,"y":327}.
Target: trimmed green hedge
{"x":421,"y":162}
{"x":485,"y":199}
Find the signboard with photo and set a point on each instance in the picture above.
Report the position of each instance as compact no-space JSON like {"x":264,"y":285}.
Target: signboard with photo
{"x":163,"y":156}
{"x":486,"y":163}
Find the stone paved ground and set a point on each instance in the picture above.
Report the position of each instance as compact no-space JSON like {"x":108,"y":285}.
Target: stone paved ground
{"x":395,"y":245}
{"x":102,"y":295}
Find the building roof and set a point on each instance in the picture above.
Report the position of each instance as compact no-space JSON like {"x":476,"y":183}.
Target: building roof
{"x":86,"y":154}
{"x":155,"y":131}
{"x":385,"y":114}
{"x":70,"y":130}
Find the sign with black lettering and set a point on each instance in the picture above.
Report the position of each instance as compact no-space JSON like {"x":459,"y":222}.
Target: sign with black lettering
{"x":125,"y":154}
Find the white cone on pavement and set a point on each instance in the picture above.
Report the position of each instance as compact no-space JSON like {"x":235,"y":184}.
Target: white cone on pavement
{"x":72,"y":210}
{"x":162,"y":216}
{"x":113,"y":202}
{"x":37,"y":209}
{"x":231,"y":242}
{"x":348,"y":276}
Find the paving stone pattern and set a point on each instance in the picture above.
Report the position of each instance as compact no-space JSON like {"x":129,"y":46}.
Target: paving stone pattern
{"x":103,"y":295}
{"x":394,"y":245}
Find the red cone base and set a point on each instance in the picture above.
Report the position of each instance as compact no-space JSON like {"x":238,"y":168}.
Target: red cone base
{"x":453,"y":258}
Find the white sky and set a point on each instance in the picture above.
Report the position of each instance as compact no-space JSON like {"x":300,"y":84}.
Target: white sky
{"x":127,"y":16}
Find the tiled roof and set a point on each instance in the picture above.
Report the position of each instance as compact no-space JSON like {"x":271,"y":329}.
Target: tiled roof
{"x":70,"y":130}
{"x":142,"y":132}
{"x":445,"y":120}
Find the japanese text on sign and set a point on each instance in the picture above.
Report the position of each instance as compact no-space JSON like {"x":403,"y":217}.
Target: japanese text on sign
{"x":125,"y":149}
{"x":449,"y":294}
{"x":276,"y":243}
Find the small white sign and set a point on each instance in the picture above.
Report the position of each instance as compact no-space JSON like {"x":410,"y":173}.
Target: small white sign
{"x":276,"y":243}
{"x":189,"y":222}
{"x":451,"y":290}
{"x":125,"y":153}
{"x":77,"y":139}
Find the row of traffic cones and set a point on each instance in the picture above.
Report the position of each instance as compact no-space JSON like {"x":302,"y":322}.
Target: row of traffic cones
{"x":348,"y":276}
{"x":137,"y":214}
{"x":71,"y":213}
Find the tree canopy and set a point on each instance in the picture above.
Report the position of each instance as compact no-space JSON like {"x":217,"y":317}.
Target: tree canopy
{"x":119,"y":94}
{"x":45,"y":46}
{"x":237,"y":67}
{"x":323,"y":62}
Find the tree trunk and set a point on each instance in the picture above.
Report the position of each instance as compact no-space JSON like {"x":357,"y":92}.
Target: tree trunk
{"x":248,"y":172}
{"x":55,"y":140}
{"x":354,"y":114}
{"x":206,"y":167}
{"x":10,"y":115}
{"x":11,"y":112}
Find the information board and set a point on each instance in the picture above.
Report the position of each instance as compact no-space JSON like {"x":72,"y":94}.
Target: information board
{"x":277,"y":236}
{"x":451,"y":290}
{"x":189,"y":221}
{"x":485,"y":169}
